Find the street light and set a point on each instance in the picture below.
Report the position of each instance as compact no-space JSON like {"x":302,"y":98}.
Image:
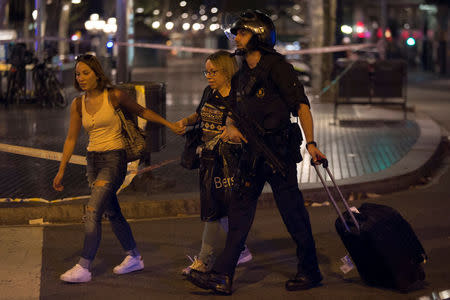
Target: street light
{"x":169,"y":25}
{"x":156,"y":24}
{"x":346,"y":29}
{"x":96,"y":26}
{"x":186,"y":26}
{"x":214,"y":27}
{"x":110,"y":26}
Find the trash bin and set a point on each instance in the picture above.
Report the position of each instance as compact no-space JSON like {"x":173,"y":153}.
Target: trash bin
{"x":155,"y":99}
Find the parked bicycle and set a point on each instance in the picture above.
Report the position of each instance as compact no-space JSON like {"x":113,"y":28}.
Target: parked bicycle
{"x":15,"y":90}
{"x":47,"y":88}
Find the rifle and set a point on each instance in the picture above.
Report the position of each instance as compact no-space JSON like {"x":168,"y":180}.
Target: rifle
{"x":254,"y":133}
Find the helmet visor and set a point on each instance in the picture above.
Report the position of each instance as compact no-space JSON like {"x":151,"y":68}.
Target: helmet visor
{"x":227,"y":22}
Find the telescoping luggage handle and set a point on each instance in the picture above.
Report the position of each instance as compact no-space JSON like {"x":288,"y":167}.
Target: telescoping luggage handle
{"x":324,"y":163}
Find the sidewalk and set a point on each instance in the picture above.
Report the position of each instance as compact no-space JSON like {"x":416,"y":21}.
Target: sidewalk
{"x":371,"y":151}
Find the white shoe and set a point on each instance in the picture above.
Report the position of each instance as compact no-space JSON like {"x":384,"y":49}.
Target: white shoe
{"x":129,"y":264}
{"x":245,"y":256}
{"x":76,"y":274}
{"x":197,"y":264}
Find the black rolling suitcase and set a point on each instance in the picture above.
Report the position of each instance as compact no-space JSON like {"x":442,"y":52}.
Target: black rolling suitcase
{"x":382,"y":245}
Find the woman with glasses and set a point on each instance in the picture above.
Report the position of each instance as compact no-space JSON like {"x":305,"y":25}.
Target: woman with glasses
{"x":95,"y":110}
{"x":218,"y":160}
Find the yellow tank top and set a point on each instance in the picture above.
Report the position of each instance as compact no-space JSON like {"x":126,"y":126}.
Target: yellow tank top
{"x":104,"y":127}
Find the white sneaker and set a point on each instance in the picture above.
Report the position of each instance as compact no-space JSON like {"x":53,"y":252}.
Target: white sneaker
{"x":129,"y":264}
{"x":76,"y":274}
{"x":197,"y":264}
{"x":245,"y":256}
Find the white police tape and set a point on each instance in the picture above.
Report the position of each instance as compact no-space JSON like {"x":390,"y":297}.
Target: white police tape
{"x":318,"y":50}
{"x":329,"y":49}
{"x":166,"y":47}
{"x":40,"y":153}
{"x":140,"y":95}
{"x":44,"y":154}
{"x":127,"y":181}
{"x":132,"y":169}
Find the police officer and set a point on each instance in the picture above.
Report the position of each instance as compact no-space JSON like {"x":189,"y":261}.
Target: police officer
{"x":266,"y":90}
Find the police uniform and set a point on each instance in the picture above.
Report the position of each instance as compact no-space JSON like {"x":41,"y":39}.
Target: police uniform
{"x":268,"y":94}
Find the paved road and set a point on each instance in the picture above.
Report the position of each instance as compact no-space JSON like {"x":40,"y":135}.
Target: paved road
{"x":432,"y":97}
{"x":165,"y":242}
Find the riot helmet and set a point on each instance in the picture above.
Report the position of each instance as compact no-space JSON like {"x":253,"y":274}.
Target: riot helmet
{"x":262,"y":28}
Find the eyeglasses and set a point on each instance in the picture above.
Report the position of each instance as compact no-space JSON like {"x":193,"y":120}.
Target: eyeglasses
{"x":84,"y":57}
{"x":211,"y":73}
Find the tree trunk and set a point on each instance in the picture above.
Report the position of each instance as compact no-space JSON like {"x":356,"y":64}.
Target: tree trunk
{"x":317,"y":40}
{"x":323,"y":26}
{"x":4,"y":13}
{"x":329,"y":40}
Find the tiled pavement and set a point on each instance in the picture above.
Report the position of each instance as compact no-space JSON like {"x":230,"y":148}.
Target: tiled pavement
{"x":366,"y":141}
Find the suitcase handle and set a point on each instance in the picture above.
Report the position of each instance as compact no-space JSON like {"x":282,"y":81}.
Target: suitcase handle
{"x":324,"y":163}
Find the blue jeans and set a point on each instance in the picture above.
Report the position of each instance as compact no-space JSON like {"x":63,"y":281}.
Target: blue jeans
{"x":105,"y":172}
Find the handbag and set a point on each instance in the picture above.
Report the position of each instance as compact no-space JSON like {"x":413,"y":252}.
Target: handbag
{"x":132,"y":136}
{"x":190,"y":159}
{"x":218,"y":172}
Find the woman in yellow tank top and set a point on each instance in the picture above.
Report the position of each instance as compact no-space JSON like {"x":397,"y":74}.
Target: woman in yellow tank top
{"x":106,"y":162}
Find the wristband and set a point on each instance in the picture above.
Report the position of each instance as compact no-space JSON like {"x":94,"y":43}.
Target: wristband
{"x":311,"y":143}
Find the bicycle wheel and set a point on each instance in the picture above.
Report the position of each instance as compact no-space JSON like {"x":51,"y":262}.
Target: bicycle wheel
{"x":9,"y":87}
{"x":40,"y":90}
{"x":56,"y":92}
{"x":13,"y":92}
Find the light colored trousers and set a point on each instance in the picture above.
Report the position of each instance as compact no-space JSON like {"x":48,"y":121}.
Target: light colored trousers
{"x":213,"y":241}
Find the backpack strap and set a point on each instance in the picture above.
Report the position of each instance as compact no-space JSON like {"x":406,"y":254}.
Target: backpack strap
{"x":208,"y":93}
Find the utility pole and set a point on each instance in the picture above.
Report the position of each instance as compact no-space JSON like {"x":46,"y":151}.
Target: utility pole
{"x":27,"y":22}
{"x":40,"y":28}
{"x":125,"y":26}
{"x":63,"y":28}
{"x":383,"y":25}
{"x":122,"y":37}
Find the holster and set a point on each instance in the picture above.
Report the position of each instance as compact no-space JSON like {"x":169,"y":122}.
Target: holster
{"x":286,"y":142}
{"x":295,"y":139}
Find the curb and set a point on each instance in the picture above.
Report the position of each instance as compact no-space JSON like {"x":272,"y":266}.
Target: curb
{"x":425,"y":155}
